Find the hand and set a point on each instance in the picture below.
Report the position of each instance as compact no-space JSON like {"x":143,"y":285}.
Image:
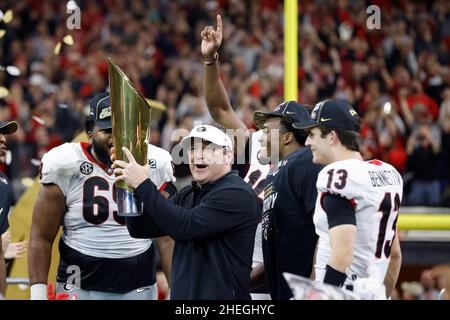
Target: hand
{"x":6,"y":239}
{"x":440,"y":277}
{"x":403,"y":93}
{"x":113,"y":156}
{"x":15,"y":250}
{"x":132,"y":173}
{"x":211,"y":40}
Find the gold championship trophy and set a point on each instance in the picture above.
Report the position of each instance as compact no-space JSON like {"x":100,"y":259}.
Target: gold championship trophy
{"x":130,"y":123}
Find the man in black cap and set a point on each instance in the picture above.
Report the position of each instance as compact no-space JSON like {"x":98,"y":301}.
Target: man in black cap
{"x":288,"y":235}
{"x":5,"y":196}
{"x":98,"y":257}
{"x":357,"y":207}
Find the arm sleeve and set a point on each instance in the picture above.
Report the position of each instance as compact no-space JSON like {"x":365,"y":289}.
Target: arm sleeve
{"x":339,"y":210}
{"x":161,"y":171}
{"x":143,"y":227}
{"x":57,"y":168}
{"x":224,"y":210}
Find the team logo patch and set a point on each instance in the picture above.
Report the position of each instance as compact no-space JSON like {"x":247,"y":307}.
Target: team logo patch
{"x":201,"y":129}
{"x":69,"y":288}
{"x":259,"y":155}
{"x":105,"y":113}
{"x":86,"y":168}
{"x":109,"y":171}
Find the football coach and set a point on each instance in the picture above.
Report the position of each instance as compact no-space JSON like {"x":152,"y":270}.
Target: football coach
{"x":213,"y":221}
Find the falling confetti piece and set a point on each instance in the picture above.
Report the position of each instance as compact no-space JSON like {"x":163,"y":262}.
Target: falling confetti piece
{"x":35,"y":162}
{"x":27,"y":182}
{"x":7,"y":18}
{"x":3,"y":92}
{"x":2,"y":33}
{"x":57,"y":48}
{"x":13,"y":70}
{"x":38,"y":120}
{"x":68,"y":40}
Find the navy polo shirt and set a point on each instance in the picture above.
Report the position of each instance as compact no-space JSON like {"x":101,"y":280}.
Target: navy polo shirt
{"x":214,"y":231}
{"x":288,"y":232}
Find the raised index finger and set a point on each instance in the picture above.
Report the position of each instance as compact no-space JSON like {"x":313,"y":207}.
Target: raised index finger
{"x":219,"y":23}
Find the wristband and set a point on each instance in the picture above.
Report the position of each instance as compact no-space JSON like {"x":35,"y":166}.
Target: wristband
{"x":216,"y":56}
{"x":334,"y":277}
{"x":38,"y":291}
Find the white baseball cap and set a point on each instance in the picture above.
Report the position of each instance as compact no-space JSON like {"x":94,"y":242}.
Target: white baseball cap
{"x":208,"y":133}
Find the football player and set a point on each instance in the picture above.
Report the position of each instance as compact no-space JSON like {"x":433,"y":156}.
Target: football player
{"x":357,"y":206}
{"x":98,"y":257}
{"x":5,"y":197}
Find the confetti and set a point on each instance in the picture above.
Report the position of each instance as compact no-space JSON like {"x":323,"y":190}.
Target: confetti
{"x":68,"y":40}
{"x":13,"y":70}
{"x":27,"y":182}
{"x":7,"y":18}
{"x":38,"y":120}
{"x":57,"y":48}
{"x":3,"y":92}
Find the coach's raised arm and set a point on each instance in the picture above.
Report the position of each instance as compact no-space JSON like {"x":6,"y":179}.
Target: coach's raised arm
{"x":213,"y":221}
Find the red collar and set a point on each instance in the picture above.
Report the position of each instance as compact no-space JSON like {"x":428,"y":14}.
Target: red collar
{"x":85,"y":146}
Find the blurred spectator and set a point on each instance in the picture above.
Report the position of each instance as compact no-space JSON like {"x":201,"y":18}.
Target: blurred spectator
{"x":423,"y":157}
{"x":438,"y":277}
{"x":155,"y":42}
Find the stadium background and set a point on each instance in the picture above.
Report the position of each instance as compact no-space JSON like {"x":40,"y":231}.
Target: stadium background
{"x":397,"y":77}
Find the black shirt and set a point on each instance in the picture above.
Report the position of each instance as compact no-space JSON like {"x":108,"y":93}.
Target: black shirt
{"x":424,"y":157}
{"x":5,"y":202}
{"x":289,"y":237}
{"x":214,"y":231}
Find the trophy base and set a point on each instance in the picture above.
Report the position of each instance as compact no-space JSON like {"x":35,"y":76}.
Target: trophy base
{"x":128,"y":205}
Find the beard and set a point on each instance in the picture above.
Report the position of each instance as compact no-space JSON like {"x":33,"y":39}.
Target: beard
{"x":102,"y":153}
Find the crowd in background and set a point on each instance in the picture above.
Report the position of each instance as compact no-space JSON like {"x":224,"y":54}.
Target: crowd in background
{"x":397,"y":77}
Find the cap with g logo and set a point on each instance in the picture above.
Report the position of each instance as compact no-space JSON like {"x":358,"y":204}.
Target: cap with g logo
{"x":101,"y":110}
{"x":208,"y":133}
{"x":334,"y":113}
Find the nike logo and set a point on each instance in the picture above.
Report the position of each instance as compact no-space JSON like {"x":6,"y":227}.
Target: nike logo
{"x":290,"y":112}
{"x":139,"y":290}
{"x":325,"y":119}
{"x":1,"y":210}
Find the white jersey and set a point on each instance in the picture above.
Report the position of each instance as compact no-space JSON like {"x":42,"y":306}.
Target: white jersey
{"x":257,"y":172}
{"x":91,"y":225}
{"x":375,"y":189}
{"x":256,"y":176}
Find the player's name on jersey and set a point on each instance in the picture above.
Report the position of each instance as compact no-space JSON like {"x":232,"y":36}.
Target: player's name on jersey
{"x":381,"y":178}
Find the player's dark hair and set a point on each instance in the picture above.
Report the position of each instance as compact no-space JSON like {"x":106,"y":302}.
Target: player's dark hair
{"x":299,"y":135}
{"x":89,"y":124}
{"x":349,"y":139}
